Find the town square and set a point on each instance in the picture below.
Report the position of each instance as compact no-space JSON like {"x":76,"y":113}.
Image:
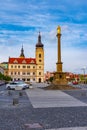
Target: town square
{"x":43,"y":66}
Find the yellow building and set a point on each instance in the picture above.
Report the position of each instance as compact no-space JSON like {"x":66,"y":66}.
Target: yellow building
{"x":28,"y":69}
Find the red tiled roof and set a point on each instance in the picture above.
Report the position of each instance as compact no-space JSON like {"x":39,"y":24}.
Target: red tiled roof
{"x":22,"y":61}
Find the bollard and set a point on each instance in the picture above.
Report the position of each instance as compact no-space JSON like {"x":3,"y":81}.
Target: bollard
{"x":15,"y":101}
{"x":9,"y":92}
{"x":20,"y":94}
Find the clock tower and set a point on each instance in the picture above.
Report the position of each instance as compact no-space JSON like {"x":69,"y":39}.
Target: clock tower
{"x":40,"y":59}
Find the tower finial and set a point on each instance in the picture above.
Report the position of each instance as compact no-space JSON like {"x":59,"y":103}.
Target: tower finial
{"x":39,"y":44}
{"x":22,"y":52}
{"x":39,"y":38}
{"x":22,"y":45}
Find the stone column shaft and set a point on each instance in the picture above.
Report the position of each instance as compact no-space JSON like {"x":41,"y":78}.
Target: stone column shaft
{"x":59,"y":63}
{"x":59,"y":48}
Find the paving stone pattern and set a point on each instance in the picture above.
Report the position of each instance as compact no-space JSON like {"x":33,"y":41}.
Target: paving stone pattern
{"x":15,"y":117}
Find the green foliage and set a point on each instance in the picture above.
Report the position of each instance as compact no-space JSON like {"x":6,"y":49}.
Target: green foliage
{"x":51,"y":79}
{"x":6,"y":78}
{"x":82,"y":77}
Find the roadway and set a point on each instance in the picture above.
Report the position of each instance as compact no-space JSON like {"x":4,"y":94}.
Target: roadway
{"x":49,"y":109}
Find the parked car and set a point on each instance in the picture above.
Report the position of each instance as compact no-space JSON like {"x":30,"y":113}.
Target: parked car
{"x":75,"y":82}
{"x":17,"y":85}
{"x":69,"y":83}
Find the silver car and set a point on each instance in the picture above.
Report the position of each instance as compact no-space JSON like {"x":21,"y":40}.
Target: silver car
{"x":17,"y":85}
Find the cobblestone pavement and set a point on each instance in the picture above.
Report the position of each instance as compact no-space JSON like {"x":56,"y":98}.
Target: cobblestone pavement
{"x":80,"y":94}
{"x":23,"y":116}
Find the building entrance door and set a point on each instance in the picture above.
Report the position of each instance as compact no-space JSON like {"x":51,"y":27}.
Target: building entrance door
{"x":39,"y":80}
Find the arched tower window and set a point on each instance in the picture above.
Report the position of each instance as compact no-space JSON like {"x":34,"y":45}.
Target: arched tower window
{"x":39,"y":55}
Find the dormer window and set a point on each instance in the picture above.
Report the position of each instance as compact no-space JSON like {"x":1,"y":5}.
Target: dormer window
{"x":15,"y":61}
{"x":24,"y":62}
{"x":32,"y":61}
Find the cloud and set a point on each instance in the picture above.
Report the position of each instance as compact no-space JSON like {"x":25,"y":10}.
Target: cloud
{"x":74,"y":59}
{"x":21,"y":20}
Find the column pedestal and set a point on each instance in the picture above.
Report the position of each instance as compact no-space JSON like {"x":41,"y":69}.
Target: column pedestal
{"x":60,"y":78}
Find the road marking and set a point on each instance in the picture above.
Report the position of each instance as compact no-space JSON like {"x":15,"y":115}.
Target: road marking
{"x":50,"y":98}
{"x":70,"y":128}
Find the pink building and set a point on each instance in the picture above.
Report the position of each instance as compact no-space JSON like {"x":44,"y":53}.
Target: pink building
{"x":47,"y":75}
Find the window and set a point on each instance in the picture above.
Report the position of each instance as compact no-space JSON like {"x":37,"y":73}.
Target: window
{"x":32,"y":61}
{"x":24,"y":61}
{"x":33,"y":73}
{"x":28,"y":73}
{"x":15,"y":73}
{"x":11,"y":66}
{"x":24,"y":66}
{"x":23,"y":79}
{"x":39,"y":73}
{"x":39,"y":60}
{"x":28,"y":66}
{"x":19,"y":66}
{"x":15,"y":61}
{"x":23,"y":73}
{"x":33,"y":67}
{"x":18,"y":73}
{"x":28,"y":79}
{"x":39,"y":55}
{"x":39,"y":67}
{"x":33,"y":79}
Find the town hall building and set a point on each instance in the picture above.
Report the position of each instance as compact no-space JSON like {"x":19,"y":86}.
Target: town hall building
{"x":28,"y":69}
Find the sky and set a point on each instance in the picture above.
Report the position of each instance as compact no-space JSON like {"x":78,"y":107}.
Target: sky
{"x":21,"y":21}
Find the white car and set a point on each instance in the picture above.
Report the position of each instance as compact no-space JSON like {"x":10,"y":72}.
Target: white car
{"x":17,"y":85}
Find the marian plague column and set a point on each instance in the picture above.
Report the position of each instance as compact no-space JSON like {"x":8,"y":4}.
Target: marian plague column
{"x":59,"y":75}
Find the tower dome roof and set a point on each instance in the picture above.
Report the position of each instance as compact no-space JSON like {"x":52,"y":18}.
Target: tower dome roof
{"x":39,"y":44}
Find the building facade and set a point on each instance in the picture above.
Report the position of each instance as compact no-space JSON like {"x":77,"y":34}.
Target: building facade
{"x":48,"y":75}
{"x":28,"y":69}
{"x":4,"y":68}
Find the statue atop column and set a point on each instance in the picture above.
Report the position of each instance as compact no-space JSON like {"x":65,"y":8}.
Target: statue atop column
{"x":58,"y":30}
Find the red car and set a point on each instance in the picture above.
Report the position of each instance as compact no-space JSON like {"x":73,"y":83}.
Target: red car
{"x":75,"y":83}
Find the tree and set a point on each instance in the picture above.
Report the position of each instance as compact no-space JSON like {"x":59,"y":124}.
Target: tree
{"x":51,"y":79}
{"x":3,"y":77}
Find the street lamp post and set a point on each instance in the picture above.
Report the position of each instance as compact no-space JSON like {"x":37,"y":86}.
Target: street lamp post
{"x":84,"y":68}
